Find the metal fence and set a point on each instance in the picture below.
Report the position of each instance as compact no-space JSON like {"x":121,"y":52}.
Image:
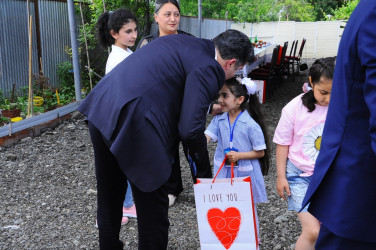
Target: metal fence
{"x":210,"y":28}
{"x":50,"y":36}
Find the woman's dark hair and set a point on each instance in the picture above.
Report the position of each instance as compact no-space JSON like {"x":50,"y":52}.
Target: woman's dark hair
{"x":323,"y":67}
{"x":112,"y":20}
{"x":159,"y":4}
{"x":234,"y":44}
{"x":255,"y":111}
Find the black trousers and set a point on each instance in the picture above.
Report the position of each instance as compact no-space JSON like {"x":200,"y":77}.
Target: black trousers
{"x":152,"y":207}
{"x":201,"y":169}
{"x":174,"y":184}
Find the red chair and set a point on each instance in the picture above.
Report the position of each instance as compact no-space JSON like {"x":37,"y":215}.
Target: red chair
{"x":267,"y":74}
{"x":296,"y":60}
{"x":281,"y":56}
{"x":281,"y":68}
{"x":289,"y":60}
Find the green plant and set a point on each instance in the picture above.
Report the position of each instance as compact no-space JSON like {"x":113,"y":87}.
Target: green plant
{"x":22,"y":103}
{"x":66,"y":82}
{"x":50,"y":100}
{"x":4,"y":119}
{"x":345,"y":11}
{"x":41,"y":84}
{"x":38,"y":109}
{"x":1,"y":96}
{"x":8,"y":105}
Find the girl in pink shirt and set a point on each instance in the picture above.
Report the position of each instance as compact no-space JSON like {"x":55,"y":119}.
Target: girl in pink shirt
{"x":298,"y":139}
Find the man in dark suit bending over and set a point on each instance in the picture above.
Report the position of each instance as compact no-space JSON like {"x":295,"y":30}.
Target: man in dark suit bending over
{"x":136,"y":114}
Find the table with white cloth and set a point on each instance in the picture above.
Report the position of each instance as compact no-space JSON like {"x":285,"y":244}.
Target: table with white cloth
{"x":262,"y":56}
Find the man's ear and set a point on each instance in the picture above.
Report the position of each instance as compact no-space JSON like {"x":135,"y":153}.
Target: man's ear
{"x":230,"y":63}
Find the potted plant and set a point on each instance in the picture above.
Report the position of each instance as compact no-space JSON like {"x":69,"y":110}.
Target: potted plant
{"x":10,"y":109}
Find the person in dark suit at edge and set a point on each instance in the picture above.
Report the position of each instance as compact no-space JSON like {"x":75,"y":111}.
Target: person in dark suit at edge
{"x":160,"y":94}
{"x":342,"y":192}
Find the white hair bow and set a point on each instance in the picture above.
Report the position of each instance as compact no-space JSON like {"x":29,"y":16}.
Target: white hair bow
{"x":249,"y":84}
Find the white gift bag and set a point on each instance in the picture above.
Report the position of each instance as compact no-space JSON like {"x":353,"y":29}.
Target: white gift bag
{"x":225,"y":214}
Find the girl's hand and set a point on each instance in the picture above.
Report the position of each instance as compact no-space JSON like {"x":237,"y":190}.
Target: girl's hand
{"x":233,"y":156}
{"x":283,"y":185}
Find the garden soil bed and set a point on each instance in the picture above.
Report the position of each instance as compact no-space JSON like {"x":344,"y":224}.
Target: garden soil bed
{"x":48,"y":192}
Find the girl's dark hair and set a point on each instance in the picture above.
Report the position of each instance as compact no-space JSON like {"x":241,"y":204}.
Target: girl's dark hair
{"x":159,"y":4}
{"x":112,"y":20}
{"x":255,"y":111}
{"x":323,"y":67}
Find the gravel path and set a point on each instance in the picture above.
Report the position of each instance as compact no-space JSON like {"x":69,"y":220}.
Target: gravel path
{"x":48,"y":192}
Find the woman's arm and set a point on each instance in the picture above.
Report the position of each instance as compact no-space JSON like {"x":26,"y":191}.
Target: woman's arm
{"x":281,"y":159}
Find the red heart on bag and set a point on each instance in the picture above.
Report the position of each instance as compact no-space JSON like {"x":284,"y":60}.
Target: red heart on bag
{"x":225,"y":225}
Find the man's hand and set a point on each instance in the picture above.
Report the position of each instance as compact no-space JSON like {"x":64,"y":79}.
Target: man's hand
{"x":216,"y":110}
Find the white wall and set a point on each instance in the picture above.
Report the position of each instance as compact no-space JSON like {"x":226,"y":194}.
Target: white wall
{"x":322,"y":37}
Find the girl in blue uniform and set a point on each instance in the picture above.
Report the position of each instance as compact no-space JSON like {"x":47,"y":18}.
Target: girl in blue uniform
{"x":241,"y":135}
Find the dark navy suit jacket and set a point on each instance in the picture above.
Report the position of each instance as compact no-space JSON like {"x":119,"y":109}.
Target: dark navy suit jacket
{"x":343,"y":187}
{"x":160,"y":92}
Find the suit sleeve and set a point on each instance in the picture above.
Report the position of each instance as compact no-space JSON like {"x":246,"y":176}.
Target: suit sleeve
{"x":201,"y":86}
{"x":367,"y":53}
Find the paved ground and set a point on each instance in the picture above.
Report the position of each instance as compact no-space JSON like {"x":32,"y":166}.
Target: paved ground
{"x":48,"y":192}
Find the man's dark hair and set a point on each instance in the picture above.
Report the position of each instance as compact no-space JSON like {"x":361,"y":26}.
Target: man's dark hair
{"x":233,"y":44}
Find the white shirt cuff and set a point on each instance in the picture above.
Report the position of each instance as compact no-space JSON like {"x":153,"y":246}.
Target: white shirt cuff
{"x":213,"y":137}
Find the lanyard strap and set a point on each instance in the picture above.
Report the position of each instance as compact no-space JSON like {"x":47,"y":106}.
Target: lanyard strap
{"x":233,"y":127}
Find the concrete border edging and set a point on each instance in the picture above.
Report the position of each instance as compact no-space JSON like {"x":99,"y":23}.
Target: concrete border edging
{"x":35,"y":125}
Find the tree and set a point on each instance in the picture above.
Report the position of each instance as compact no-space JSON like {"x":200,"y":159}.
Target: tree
{"x":324,"y":8}
{"x":344,"y":12}
{"x":296,"y":10}
{"x":238,"y":10}
{"x":251,"y":10}
{"x":256,"y":11}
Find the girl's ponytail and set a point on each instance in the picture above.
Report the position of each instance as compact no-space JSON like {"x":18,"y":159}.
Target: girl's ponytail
{"x":103,"y":32}
{"x":255,"y":111}
{"x":309,"y":100}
